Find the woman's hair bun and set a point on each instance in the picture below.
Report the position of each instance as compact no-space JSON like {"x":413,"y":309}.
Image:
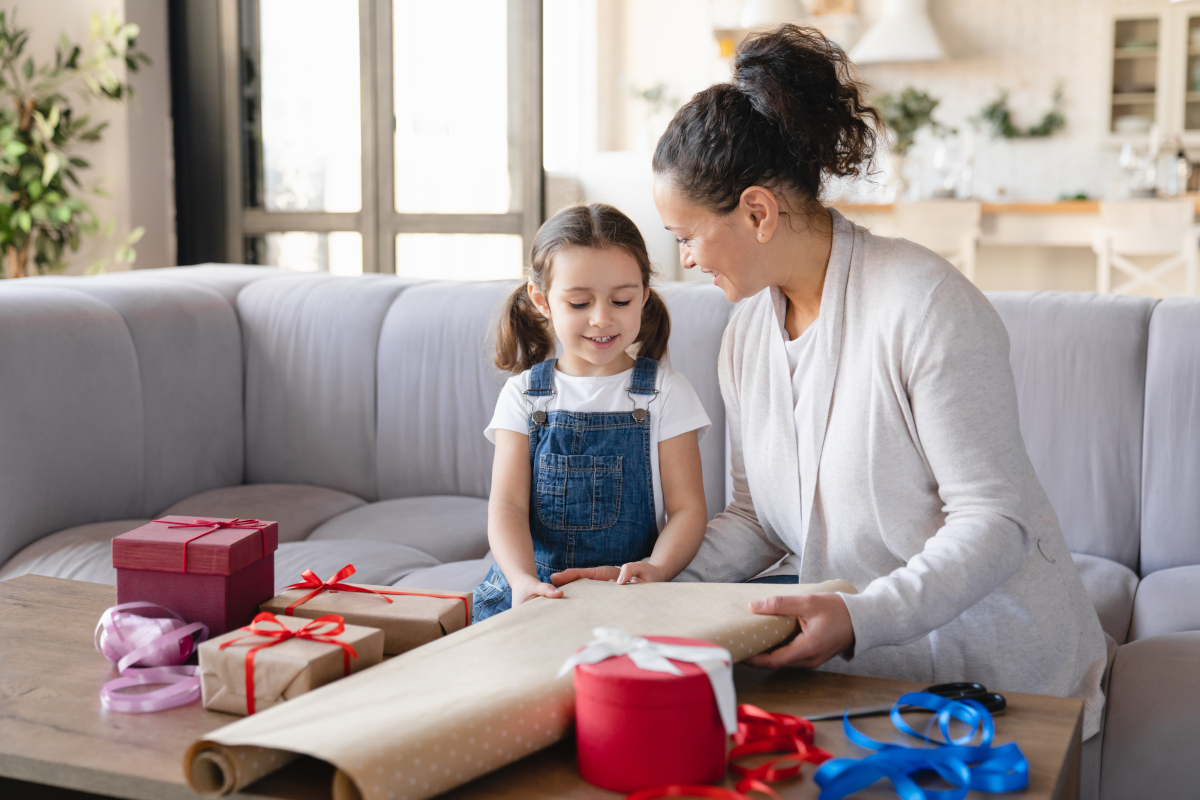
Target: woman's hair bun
{"x":793,"y":116}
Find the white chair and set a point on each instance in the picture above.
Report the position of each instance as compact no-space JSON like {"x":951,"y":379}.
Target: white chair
{"x":950,"y":228}
{"x":1147,"y":228}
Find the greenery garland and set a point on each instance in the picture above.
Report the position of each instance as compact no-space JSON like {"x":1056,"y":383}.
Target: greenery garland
{"x":998,"y":115}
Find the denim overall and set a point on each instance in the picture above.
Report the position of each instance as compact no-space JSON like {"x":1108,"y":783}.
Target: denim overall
{"x":591,"y":498}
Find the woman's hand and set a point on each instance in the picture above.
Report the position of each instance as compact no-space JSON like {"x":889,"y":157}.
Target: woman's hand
{"x":590,"y":574}
{"x":528,"y":586}
{"x":825,"y":629}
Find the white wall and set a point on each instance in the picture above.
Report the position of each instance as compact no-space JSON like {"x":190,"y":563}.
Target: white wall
{"x":132,"y":160}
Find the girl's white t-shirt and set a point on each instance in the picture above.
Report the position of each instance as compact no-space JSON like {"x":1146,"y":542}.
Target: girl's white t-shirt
{"x":674,"y":411}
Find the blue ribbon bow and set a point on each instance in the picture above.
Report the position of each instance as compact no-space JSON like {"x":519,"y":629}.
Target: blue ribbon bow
{"x":996,"y":769}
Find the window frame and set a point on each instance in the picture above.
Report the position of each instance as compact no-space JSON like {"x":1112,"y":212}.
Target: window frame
{"x":378,"y":221}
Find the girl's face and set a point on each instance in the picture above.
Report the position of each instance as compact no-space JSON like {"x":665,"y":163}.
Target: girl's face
{"x":721,"y":245}
{"x":595,"y":304}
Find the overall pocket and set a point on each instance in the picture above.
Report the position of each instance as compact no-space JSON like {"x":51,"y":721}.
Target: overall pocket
{"x":578,"y":493}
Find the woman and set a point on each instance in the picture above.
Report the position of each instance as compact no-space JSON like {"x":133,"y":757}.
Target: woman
{"x":871,"y":406}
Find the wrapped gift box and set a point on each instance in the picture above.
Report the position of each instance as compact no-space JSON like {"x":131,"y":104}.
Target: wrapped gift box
{"x":285,"y":667}
{"x":219,"y":577}
{"x":636,"y":729}
{"x":413,"y":618}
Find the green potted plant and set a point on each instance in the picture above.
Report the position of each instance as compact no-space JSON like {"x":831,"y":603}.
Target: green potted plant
{"x":44,"y":214}
{"x":906,"y":114}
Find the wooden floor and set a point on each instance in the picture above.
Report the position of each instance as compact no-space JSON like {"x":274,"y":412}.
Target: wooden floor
{"x":53,"y":731}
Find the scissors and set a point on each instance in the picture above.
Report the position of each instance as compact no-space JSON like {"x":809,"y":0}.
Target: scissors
{"x":992,"y":701}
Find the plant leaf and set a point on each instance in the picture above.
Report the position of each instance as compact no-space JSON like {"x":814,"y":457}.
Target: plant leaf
{"x":52,"y":163}
{"x":24,"y":221}
{"x":28,"y":68}
{"x":135,"y":235}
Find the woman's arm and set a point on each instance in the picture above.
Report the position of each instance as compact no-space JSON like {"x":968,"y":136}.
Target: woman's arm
{"x":683,"y":498}
{"x":508,"y":518}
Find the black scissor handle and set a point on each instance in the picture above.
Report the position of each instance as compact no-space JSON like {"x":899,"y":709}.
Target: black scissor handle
{"x":958,"y":691}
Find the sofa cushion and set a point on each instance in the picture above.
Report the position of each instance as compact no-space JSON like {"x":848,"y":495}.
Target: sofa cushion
{"x":1111,"y":587}
{"x":1171,"y":502}
{"x":699,"y":313}
{"x":1168,"y":601}
{"x":311,"y":346}
{"x":1079,"y":361}
{"x":1152,"y":724}
{"x":438,"y":389}
{"x":449,"y":528}
{"x":298,"y":509}
{"x":72,"y":449}
{"x":82,"y":553}
{"x":375,"y":563}
{"x":457,"y":576}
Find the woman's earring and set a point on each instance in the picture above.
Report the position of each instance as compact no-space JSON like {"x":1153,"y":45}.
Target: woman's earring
{"x":760,"y":235}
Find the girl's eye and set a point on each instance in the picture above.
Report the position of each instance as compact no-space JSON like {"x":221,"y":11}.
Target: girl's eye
{"x":621,"y":303}
{"x":578,"y":305}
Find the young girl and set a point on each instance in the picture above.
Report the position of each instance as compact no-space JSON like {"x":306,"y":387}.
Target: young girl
{"x":597,"y":454}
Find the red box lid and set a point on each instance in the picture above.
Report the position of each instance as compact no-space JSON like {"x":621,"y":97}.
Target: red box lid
{"x":159,"y":546}
{"x":620,"y":682}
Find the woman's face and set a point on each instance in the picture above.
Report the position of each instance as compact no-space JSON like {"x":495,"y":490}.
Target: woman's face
{"x":721,"y":245}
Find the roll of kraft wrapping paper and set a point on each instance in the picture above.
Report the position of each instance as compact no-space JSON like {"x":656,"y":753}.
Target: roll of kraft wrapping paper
{"x":446,"y":713}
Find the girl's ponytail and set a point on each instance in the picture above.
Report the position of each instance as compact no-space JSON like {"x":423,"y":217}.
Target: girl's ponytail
{"x":656,"y":328}
{"x":523,"y":337}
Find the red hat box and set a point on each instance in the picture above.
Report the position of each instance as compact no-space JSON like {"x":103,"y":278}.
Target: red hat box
{"x":638,"y":729}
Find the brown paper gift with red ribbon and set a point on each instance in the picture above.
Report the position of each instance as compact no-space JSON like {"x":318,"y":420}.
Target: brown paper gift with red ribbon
{"x":213,"y":570}
{"x":469,"y":703}
{"x":408,"y":617}
{"x":275,"y":659}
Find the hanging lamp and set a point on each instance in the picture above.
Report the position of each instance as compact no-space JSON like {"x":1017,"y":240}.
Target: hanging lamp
{"x":903,"y":32}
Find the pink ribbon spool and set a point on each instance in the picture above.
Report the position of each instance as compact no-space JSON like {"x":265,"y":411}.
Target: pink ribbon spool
{"x":159,"y":645}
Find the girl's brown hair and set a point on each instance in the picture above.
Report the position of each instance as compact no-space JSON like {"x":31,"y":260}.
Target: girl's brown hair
{"x":524,"y":337}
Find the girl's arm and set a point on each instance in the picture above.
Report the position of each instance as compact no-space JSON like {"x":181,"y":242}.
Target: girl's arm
{"x":687,"y":514}
{"x":508,"y":518}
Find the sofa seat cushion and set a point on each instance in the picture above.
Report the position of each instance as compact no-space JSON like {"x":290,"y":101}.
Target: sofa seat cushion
{"x":298,"y":508}
{"x":1111,"y":587}
{"x":447,"y":527}
{"x":1152,"y":720}
{"x":457,"y":576}
{"x":1168,"y":601}
{"x":82,"y":553}
{"x":375,"y":563}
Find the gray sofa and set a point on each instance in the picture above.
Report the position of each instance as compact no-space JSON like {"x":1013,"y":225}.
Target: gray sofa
{"x":351,"y":411}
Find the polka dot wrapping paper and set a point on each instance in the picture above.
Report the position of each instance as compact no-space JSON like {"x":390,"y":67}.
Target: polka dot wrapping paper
{"x":469,"y":703}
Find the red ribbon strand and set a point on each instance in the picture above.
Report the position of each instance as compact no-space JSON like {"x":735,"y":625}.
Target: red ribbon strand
{"x":215,"y":525}
{"x":312,"y":630}
{"x":312,"y":581}
{"x":758,"y":732}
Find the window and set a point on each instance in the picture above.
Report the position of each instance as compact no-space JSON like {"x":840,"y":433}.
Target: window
{"x":383,"y":135}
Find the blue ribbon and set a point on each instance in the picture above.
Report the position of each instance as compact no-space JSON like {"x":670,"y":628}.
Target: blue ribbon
{"x":996,"y":769}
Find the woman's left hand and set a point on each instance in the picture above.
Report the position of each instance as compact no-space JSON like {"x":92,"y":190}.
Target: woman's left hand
{"x":825,"y":629}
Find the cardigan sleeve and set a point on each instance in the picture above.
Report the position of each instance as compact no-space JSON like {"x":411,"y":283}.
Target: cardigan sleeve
{"x":964,"y":411}
{"x":735,"y":546}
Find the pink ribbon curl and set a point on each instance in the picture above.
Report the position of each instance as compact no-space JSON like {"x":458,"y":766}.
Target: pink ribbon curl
{"x":148,"y":650}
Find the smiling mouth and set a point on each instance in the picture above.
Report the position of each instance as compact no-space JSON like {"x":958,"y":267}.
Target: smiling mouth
{"x":601,"y":339}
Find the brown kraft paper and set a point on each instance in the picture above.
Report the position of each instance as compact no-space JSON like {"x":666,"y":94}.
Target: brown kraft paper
{"x":282,"y":671}
{"x":469,"y":703}
{"x":408,"y":621}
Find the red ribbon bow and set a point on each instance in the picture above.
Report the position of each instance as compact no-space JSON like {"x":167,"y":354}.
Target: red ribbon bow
{"x":311,"y":631}
{"x":758,"y":732}
{"x":215,"y":525}
{"x":312,"y":581}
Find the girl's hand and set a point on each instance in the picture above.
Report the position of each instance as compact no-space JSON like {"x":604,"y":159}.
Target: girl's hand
{"x":825,"y":629}
{"x":591,"y":574}
{"x":641,"y":572}
{"x":529,"y":587}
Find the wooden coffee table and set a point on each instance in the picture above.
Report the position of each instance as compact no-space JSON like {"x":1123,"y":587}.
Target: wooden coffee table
{"x":53,"y":730}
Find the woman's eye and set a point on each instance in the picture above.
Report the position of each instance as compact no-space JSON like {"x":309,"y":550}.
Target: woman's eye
{"x":578,"y":305}
{"x":682,"y":241}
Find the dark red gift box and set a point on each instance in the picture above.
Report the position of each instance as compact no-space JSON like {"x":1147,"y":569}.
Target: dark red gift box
{"x":637,"y":729}
{"x":211,"y":570}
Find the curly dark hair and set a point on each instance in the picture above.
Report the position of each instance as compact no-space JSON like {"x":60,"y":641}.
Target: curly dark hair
{"x":792,"y":117}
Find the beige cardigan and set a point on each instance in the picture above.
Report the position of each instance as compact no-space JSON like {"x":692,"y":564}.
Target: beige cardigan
{"x":916,"y":486}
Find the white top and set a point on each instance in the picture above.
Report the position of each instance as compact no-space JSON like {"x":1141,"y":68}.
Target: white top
{"x":917,"y":489}
{"x":674,"y":411}
{"x":801,"y":352}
